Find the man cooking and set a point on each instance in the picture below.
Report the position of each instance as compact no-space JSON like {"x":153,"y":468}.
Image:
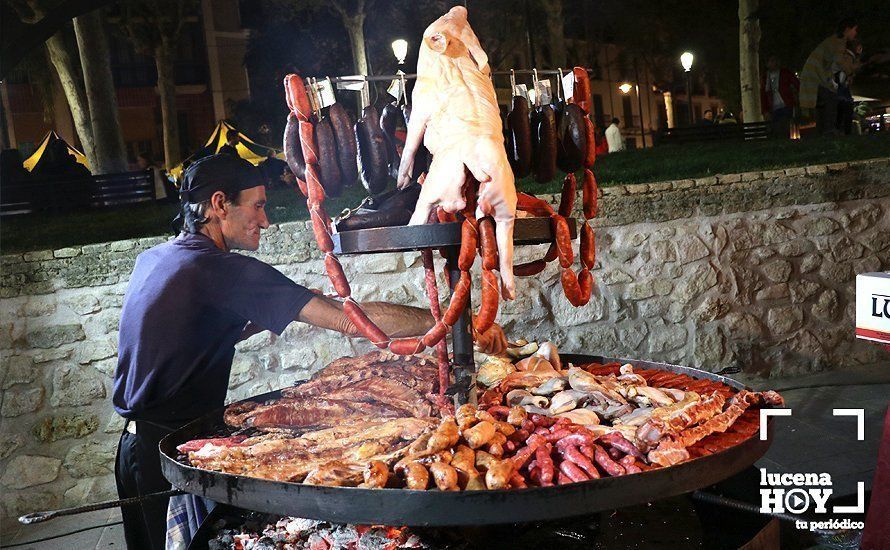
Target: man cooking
{"x":189,"y":301}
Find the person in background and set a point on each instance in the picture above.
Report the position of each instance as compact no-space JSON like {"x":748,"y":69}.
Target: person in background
{"x":779,"y":89}
{"x":614,"y":137}
{"x":818,"y":89}
{"x":231,"y":146}
{"x":145,"y":162}
{"x":727,"y":118}
{"x":844,"y":96}
{"x":602,"y":145}
{"x":707,"y":118}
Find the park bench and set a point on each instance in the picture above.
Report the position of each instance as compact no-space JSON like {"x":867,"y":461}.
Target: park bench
{"x":59,"y":194}
{"x":749,"y":131}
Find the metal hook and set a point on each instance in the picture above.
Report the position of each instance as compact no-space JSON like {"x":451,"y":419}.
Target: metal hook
{"x":513,"y":81}
{"x":559,"y":90}
{"x":404,"y":89}
{"x":535,"y":87}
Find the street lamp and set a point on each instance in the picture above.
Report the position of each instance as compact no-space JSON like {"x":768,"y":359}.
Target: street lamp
{"x":686,"y":60}
{"x":625,"y":89}
{"x":400,"y":49}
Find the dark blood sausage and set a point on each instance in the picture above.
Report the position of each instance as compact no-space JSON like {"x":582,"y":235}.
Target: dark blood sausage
{"x":389,"y":120}
{"x":545,"y":153}
{"x":395,"y":210}
{"x":534,"y":121}
{"x":293,"y":151}
{"x":344,"y":135}
{"x":327,"y":158}
{"x":520,"y":154}
{"x":572,"y":136}
{"x":372,"y":155}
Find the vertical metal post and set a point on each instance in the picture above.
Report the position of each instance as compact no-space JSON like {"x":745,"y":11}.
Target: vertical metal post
{"x":463,"y":366}
{"x":689,"y":95}
{"x":528,"y":35}
{"x":640,"y":106}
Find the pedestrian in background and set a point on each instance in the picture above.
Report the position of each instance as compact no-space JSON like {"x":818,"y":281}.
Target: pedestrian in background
{"x":779,"y":89}
{"x":614,"y":137}
{"x":818,"y":89}
{"x":844,"y":95}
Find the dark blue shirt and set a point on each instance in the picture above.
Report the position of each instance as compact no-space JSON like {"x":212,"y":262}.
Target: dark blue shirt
{"x":185,"y":308}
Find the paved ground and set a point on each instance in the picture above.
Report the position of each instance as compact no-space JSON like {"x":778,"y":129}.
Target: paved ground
{"x":811,"y":440}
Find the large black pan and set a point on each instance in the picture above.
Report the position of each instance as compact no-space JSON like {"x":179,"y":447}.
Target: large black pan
{"x":429,"y":508}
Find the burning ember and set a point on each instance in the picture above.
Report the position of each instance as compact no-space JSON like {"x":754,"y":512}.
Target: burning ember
{"x":289,"y":533}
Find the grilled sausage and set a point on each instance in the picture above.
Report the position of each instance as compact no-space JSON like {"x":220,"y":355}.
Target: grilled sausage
{"x":328,"y":165}
{"x":520,"y":154}
{"x":344,"y":135}
{"x":572,"y":137}
{"x":372,"y":154}
{"x":545,"y":152}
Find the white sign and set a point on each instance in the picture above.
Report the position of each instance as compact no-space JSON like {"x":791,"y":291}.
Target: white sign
{"x":542,"y":92}
{"x":873,"y":307}
{"x":325,"y":91}
{"x":521,"y":90}
{"x":568,"y":86}
{"x":395,"y":89}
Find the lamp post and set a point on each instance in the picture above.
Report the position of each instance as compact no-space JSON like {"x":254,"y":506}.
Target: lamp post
{"x":686,"y":61}
{"x":625,"y":89}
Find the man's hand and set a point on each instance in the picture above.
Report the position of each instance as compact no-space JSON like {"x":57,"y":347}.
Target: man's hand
{"x":492,"y":341}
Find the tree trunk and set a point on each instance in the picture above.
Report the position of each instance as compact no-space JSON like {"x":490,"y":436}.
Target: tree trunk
{"x":355,"y":27}
{"x":111,"y":156}
{"x":555,"y":35}
{"x":749,"y":60}
{"x":164,"y":54}
{"x":69,"y":75}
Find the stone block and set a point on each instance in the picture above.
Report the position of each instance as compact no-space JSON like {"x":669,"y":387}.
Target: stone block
{"x":115,"y":424}
{"x":863,"y":218}
{"x":837,"y":166}
{"x":54,"y":336}
{"x":795,"y":248}
{"x":869,"y":264}
{"x":709,"y":346}
{"x":743,"y":326}
{"x":796,"y":171}
{"x":820,"y":226}
{"x":567,"y":315}
{"x":18,"y":402}
{"x":702,"y":278}
{"x":104,"y":322}
{"x":846,"y":249}
{"x":775,"y":292}
{"x":615,"y":277}
{"x":836,"y":273}
{"x":54,"y":428}
{"x":94,"y":249}
{"x":378,"y":263}
{"x":802,"y":290}
{"x":664,"y":337}
{"x":300,"y":359}
{"x":94,"y":458}
{"x":18,"y":369}
{"x":810,"y":263}
{"x":92,"y":489}
{"x":684,"y":184}
{"x":663,"y":251}
{"x":660,"y":187}
{"x":69,"y":252}
{"x":37,"y":256}
{"x":598,"y":339}
{"x":641,"y":290}
{"x":256,"y":342}
{"x":38,"y":306}
{"x":83,"y":304}
{"x":631,"y":338}
{"x":6,"y":339}
{"x":96,"y":350}
{"x":728,"y":178}
{"x":784,"y":320}
{"x":26,"y":471}
{"x":691,"y":248}
{"x":711,"y":309}
{"x":827,"y":307}
{"x":122,"y":246}
{"x":637,"y":189}
{"x":9,"y":443}
{"x":816,"y":170}
{"x":47,"y":355}
{"x":777,"y":271}
{"x":17,"y":503}
{"x":76,"y":385}
{"x":244,"y":369}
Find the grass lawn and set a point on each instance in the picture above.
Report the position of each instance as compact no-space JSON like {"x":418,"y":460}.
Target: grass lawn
{"x":669,"y":162}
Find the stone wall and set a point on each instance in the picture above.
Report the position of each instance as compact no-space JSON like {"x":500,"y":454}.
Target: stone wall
{"x":750,"y":270}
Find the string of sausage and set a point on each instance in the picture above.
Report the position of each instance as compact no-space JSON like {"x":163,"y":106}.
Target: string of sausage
{"x":298,"y":102}
{"x":577,"y":288}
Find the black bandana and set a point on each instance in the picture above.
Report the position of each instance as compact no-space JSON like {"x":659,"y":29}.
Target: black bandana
{"x":215,"y":173}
